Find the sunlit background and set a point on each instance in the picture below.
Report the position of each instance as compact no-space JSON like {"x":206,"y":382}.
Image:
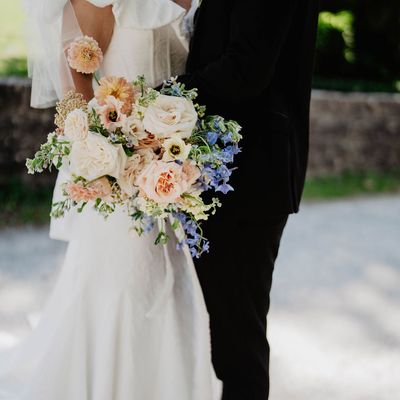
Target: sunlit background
{"x":334,"y":324}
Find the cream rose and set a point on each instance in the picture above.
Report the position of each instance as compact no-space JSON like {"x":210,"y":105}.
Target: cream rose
{"x":95,"y":157}
{"x":133,"y":167}
{"x":162,"y":182}
{"x":170,"y":116}
{"x":127,"y":179}
{"x":176,"y":149}
{"x":76,"y":125}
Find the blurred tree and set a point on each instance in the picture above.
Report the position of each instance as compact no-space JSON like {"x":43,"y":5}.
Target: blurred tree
{"x":377,"y":38}
{"x":364,"y":46}
{"x":335,"y":44}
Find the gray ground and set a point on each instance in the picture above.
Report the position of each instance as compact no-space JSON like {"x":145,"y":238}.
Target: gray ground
{"x":334,"y":325}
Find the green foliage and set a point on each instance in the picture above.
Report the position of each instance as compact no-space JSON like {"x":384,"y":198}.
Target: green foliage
{"x":352,"y":184}
{"x":335,"y":44}
{"x":12,"y":39}
{"x":354,"y":85}
{"x":20,"y":204}
{"x":377,"y":38}
{"x":50,"y":153}
{"x":13,"y":67}
{"x":173,"y":88}
{"x":358,"y":45}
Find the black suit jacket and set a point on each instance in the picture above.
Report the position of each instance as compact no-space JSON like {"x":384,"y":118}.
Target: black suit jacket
{"x":252,"y":61}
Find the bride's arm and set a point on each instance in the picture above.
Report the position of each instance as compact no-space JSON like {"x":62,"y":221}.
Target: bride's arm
{"x":98,"y":23}
{"x":186,"y":4}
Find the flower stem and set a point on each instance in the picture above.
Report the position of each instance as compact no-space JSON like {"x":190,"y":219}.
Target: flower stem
{"x":96,"y":79}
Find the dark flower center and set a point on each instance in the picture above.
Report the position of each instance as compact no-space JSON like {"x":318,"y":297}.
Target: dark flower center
{"x":175,"y":150}
{"x":113,"y":116}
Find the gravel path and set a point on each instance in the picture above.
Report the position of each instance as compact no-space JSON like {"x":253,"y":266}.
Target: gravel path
{"x":334,"y":324}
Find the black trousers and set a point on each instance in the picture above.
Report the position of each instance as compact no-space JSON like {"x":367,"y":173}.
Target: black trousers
{"x":236,"y":278}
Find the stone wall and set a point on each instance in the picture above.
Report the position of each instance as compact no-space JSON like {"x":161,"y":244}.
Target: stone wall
{"x":22,"y":130}
{"x":356,"y":132}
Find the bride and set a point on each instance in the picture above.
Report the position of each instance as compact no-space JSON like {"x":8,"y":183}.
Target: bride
{"x":126,"y":319}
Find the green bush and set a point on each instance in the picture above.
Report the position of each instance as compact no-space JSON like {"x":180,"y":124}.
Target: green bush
{"x":359,"y":45}
{"x":334,"y":44}
{"x":13,"y":67}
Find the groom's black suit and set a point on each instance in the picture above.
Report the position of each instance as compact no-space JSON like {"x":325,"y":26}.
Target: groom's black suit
{"x":252,"y":62}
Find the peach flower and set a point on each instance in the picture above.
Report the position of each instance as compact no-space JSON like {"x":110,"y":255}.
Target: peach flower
{"x":98,"y":189}
{"x":120,"y":88}
{"x":111,"y":115}
{"x":101,"y":187}
{"x":162,"y":182}
{"x":150,"y":142}
{"x":77,"y":192}
{"x":84,"y":55}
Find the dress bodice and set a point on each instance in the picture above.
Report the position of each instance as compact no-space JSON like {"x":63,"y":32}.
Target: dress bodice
{"x":157,"y":53}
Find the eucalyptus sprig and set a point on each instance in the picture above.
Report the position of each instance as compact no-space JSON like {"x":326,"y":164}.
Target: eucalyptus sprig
{"x":50,"y":153}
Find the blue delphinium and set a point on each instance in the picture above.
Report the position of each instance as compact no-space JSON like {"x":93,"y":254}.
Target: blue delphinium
{"x":194,"y":240}
{"x":227,"y":138}
{"x":212,"y":138}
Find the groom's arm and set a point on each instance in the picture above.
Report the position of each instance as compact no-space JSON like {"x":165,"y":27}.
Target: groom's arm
{"x":258,"y":31}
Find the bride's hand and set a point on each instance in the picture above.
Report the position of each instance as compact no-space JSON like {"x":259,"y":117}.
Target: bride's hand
{"x":98,"y":23}
{"x":186,"y":4}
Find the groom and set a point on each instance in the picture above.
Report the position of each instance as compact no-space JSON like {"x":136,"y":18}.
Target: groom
{"x":252,"y":61}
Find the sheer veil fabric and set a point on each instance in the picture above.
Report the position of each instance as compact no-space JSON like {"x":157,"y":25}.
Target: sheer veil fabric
{"x":126,"y":319}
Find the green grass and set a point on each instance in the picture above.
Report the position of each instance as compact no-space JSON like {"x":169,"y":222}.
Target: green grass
{"x":352,"y":184}
{"x":12,"y":38}
{"x":20,"y":205}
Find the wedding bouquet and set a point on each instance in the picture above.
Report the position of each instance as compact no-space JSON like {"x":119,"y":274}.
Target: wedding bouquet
{"x":153,"y":153}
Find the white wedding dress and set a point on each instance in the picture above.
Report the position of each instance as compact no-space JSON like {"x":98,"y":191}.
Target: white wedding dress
{"x":126,"y":319}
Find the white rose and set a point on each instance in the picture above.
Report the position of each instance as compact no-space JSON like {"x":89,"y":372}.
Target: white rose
{"x":176,"y":149}
{"x":133,"y":127}
{"x":95,"y":157}
{"x":76,"y":125}
{"x":170,"y":116}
